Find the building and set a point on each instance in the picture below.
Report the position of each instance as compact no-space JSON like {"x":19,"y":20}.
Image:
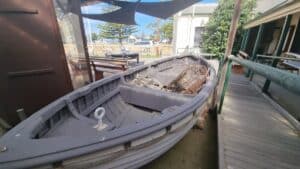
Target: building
{"x":273,"y":38}
{"x":280,"y":23}
{"x":265,"y":5}
{"x":189,"y":25}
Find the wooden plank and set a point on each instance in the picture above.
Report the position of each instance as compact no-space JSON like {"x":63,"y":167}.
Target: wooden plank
{"x":252,"y":132}
{"x":258,"y":161}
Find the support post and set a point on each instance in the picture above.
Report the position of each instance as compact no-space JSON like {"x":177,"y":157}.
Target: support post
{"x":226,"y":66}
{"x":256,"y":45}
{"x":227,"y":76}
{"x":77,"y":8}
{"x":278,"y":51}
{"x":246,"y":39}
{"x":243,"y":40}
{"x":233,"y":28}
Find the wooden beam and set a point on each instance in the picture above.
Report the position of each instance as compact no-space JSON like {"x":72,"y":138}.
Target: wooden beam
{"x":77,"y":4}
{"x":279,"y":48}
{"x":233,"y":28}
{"x":224,"y":76}
{"x":226,"y":82}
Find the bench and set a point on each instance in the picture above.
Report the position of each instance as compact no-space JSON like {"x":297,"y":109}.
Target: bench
{"x":236,"y":67}
{"x":243,"y":55}
{"x":102,"y":64}
{"x":293,"y":63}
{"x":78,"y":64}
{"x":125,"y":56}
{"x":100,"y":67}
{"x":288,"y":61}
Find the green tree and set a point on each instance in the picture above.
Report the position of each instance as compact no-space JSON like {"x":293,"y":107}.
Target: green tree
{"x":113,"y":30}
{"x":155,"y":26}
{"x":167,"y":30}
{"x":215,"y":35}
{"x":94,"y":36}
{"x":116,"y":31}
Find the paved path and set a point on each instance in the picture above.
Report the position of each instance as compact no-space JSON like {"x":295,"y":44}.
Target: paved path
{"x":252,"y":133}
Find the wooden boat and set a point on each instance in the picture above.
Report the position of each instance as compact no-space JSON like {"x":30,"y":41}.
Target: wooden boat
{"x":123,"y":121}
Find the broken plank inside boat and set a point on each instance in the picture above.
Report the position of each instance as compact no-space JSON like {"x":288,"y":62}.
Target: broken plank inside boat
{"x":185,"y":76}
{"x":123,"y":121}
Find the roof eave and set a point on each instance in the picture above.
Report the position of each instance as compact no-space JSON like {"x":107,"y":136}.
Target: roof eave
{"x":274,"y":14}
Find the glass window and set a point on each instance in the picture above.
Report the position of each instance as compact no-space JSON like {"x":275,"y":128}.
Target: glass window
{"x":198,"y":40}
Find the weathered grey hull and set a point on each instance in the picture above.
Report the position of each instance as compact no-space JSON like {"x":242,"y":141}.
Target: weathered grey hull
{"x":141,"y":124}
{"x":136,"y":158}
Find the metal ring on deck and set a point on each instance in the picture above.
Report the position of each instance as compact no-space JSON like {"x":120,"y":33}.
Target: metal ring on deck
{"x":99,"y":113}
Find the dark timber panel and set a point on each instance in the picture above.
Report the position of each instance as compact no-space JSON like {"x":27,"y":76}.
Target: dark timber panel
{"x":252,"y":133}
{"x":33,"y":68}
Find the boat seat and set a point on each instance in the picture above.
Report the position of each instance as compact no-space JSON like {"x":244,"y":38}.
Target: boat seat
{"x":151,"y":99}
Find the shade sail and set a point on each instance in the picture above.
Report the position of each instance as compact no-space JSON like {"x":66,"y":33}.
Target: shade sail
{"x":121,"y":16}
{"x":158,"y":9}
{"x":126,"y":14}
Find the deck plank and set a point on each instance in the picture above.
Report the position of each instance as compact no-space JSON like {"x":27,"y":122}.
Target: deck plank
{"x":252,"y":133}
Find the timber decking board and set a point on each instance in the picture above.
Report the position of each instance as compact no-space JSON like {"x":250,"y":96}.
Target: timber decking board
{"x":252,"y":133}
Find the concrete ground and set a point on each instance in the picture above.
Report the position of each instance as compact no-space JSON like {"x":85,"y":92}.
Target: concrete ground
{"x":197,"y":150}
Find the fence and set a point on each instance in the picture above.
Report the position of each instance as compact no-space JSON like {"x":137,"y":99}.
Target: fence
{"x":100,"y":49}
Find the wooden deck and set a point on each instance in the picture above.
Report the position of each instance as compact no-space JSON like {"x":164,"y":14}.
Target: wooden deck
{"x":252,"y":133}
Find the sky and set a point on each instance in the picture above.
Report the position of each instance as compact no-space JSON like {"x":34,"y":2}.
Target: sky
{"x":141,"y":19}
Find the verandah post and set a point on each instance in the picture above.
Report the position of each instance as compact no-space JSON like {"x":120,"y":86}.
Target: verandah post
{"x":245,"y":40}
{"x":278,"y":51}
{"x":256,"y":45}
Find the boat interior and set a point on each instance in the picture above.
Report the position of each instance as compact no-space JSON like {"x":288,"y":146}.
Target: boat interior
{"x":116,"y":102}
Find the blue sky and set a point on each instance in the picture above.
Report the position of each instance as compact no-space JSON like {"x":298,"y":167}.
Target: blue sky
{"x":141,"y":19}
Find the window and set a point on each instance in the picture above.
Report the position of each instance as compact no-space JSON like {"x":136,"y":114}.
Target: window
{"x":198,"y":40}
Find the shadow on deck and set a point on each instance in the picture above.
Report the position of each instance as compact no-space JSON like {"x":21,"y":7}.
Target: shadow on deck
{"x":252,"y":132}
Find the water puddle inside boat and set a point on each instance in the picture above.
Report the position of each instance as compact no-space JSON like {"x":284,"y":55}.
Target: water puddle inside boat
{"x":197,"y":150}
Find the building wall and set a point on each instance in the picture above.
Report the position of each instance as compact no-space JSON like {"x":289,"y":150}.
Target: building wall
{"x":185,"y":34}
{"x":185,"y":24}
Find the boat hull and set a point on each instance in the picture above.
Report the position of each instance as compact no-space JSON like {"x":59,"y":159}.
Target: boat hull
{"x":143,"y":123}
{"x":138,"y":157}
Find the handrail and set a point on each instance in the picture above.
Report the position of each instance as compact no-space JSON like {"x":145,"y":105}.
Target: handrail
{"x":285,"y":79}
{"x":277,"y":57}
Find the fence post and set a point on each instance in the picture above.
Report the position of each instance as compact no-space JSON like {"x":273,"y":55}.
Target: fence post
{"x":284,"y":33}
